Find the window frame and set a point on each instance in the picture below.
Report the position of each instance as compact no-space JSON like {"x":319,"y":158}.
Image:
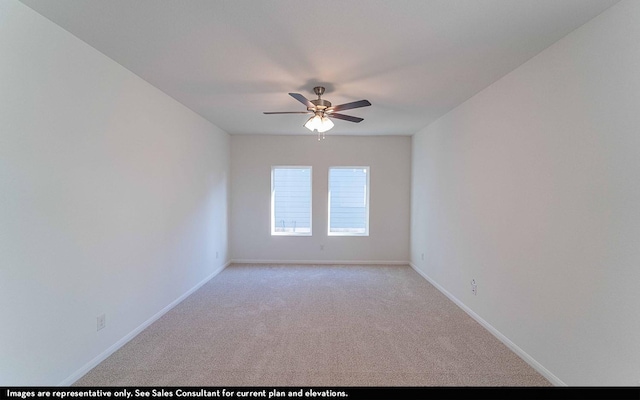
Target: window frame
{"x":367,"y":196}
{"x":273,"y":203}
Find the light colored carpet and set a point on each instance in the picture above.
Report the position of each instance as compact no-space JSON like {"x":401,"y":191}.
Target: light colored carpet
{"x":290,"y":325}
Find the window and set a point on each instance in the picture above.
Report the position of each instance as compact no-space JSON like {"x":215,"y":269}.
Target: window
{"x":291,"y":201}
{"x":349,"y":201}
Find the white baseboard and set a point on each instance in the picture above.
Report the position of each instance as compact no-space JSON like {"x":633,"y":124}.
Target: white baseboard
{"x":102,"y":356}
{"x":320,"y":262}
{"x":521,"y":353}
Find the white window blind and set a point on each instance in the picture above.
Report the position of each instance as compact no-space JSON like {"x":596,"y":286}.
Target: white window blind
{"x":349,"y":201}
{"x":291,"y":201}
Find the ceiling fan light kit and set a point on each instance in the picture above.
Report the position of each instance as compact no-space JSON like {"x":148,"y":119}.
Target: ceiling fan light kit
{"x":322,"y":110}
{"x":319,"y":123}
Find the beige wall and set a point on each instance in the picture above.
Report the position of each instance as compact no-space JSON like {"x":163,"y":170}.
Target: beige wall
{"x":252,"y":157}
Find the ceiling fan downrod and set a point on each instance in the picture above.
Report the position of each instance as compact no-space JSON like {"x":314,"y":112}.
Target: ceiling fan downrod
{"x":320,"y":104}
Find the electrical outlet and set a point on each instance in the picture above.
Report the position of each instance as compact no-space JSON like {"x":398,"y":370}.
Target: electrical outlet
{"x":216,"y":254}
{"x":101,"y":322}
{"x":321,"y":247}
{"x":474,"y":287}
{"x":422,"y":256}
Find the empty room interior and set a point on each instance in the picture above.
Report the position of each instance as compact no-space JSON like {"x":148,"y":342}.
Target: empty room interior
{"x":344,"y":193}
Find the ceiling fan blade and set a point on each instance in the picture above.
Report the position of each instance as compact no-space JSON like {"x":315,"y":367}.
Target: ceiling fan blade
{"x":345,"y":117}
{"x":302,"y":99}
{"x":348,"y":106}
{"x":287,"y":112}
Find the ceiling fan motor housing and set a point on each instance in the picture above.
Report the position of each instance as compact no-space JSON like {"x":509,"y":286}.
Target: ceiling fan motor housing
{"x":320,"y":104}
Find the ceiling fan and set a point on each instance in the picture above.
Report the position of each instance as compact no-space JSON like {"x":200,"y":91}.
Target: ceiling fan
{"x":322,"y":110}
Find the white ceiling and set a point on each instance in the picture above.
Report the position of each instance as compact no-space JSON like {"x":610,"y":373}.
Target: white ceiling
{"x":229,"y":61}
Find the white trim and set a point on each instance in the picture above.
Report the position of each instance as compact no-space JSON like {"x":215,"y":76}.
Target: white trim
{"x":521,"y":353}
{"x":103,"y":356}
{"x":320,"y":262}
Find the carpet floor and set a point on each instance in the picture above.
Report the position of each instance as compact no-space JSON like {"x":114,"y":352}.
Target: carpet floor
{"x":307,"y":325}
